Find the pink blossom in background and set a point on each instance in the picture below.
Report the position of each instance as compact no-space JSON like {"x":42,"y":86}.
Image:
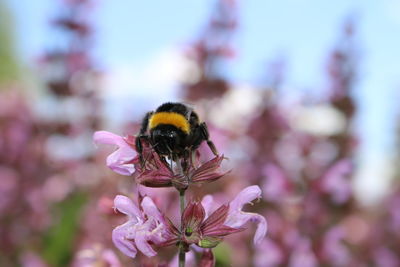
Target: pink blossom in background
{"x":394,"y":212}
{"x":220,"y":137}
{"x":336,"y":181}
{"x":276,"y":186}
{"x":268,"y":254}
{"x":96,"y":256}
{"x":302,"y":254}
{"x":31,"y":259}
{"x":56,"y":188}
{"x":385,"y":257}
{"x":105,"y":205}
{"x":334,"y":247}
{"x":8,"y":187}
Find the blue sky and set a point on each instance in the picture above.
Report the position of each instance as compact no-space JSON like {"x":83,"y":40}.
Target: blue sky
{"x":132,"y":33}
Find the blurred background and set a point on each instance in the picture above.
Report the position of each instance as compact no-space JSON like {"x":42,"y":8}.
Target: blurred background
{"x":301,"y":95}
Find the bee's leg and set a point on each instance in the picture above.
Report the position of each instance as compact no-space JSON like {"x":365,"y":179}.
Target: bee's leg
{"x":185,"y":159}
{"x":206,"y":136}
{"x":139,"y":147}
{"x":142,"y":135}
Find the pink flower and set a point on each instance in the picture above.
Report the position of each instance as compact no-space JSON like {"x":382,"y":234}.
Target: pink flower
{"x":31,"y":259}
{"x":276,"y":184}
{"x":121,"y":161}
{"x":205,"y":233}
{"x":384,"y":256}
{"x":334,"y":248}
{"x":236,"y":218}
{"x":268,"y":254}
{"x":96,"y":255}
{"x":143,"y":226}
{"x":8,"y":187}
{"x":302,"y":255}
{"x":156,"y":171}
{"x":205,"y":226}
{"x":336,"y":181}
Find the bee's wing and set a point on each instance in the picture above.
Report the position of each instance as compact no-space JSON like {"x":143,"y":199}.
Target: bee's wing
{"x":190,"y":108}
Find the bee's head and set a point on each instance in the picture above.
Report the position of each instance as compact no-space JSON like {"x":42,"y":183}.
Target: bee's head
{"x":166,"y":139}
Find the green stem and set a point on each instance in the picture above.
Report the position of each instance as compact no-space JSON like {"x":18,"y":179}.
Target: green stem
{"x":182,"y":253}
{"x":182,"y":201}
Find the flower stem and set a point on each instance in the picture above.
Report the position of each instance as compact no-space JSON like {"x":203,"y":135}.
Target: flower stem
{"x":182,"y":200}
{"x":182,"y":253}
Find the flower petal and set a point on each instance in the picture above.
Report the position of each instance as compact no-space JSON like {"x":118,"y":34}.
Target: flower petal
{"x":237,"y":218}
{"x":261,"y":227}
{"x":142,"y":244}
{"x":107,"y":138}
{"x":245,"y":196}
{"x":118,"y":166}
{"x":208,"y":204}
{"x":151,"y":210}
{"x":119,"y":160}
{"x":126,"y":206}
{"x":122,"y":243}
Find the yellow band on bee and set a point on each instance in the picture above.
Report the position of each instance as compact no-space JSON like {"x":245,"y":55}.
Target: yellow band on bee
{"x":171,"y":118}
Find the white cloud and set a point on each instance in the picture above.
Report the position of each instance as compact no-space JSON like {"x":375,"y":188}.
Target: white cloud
{"x":318,"y":119}
{"x":374,"y":178}
{"x":132,"y":89}
{"x":157,"y":75}
{"x":236,"y":105}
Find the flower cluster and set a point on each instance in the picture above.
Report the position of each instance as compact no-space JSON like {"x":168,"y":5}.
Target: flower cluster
{"x":201,"y":223}
{"x":143,"y":226}
{"x":155,"y":172}
{"x":205,"y":226}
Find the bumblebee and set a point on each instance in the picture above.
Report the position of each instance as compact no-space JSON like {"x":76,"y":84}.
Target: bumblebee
{"x":173,"y":130}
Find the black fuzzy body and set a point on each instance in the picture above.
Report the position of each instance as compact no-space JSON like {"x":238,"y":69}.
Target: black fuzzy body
{"x":168,"y":140}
